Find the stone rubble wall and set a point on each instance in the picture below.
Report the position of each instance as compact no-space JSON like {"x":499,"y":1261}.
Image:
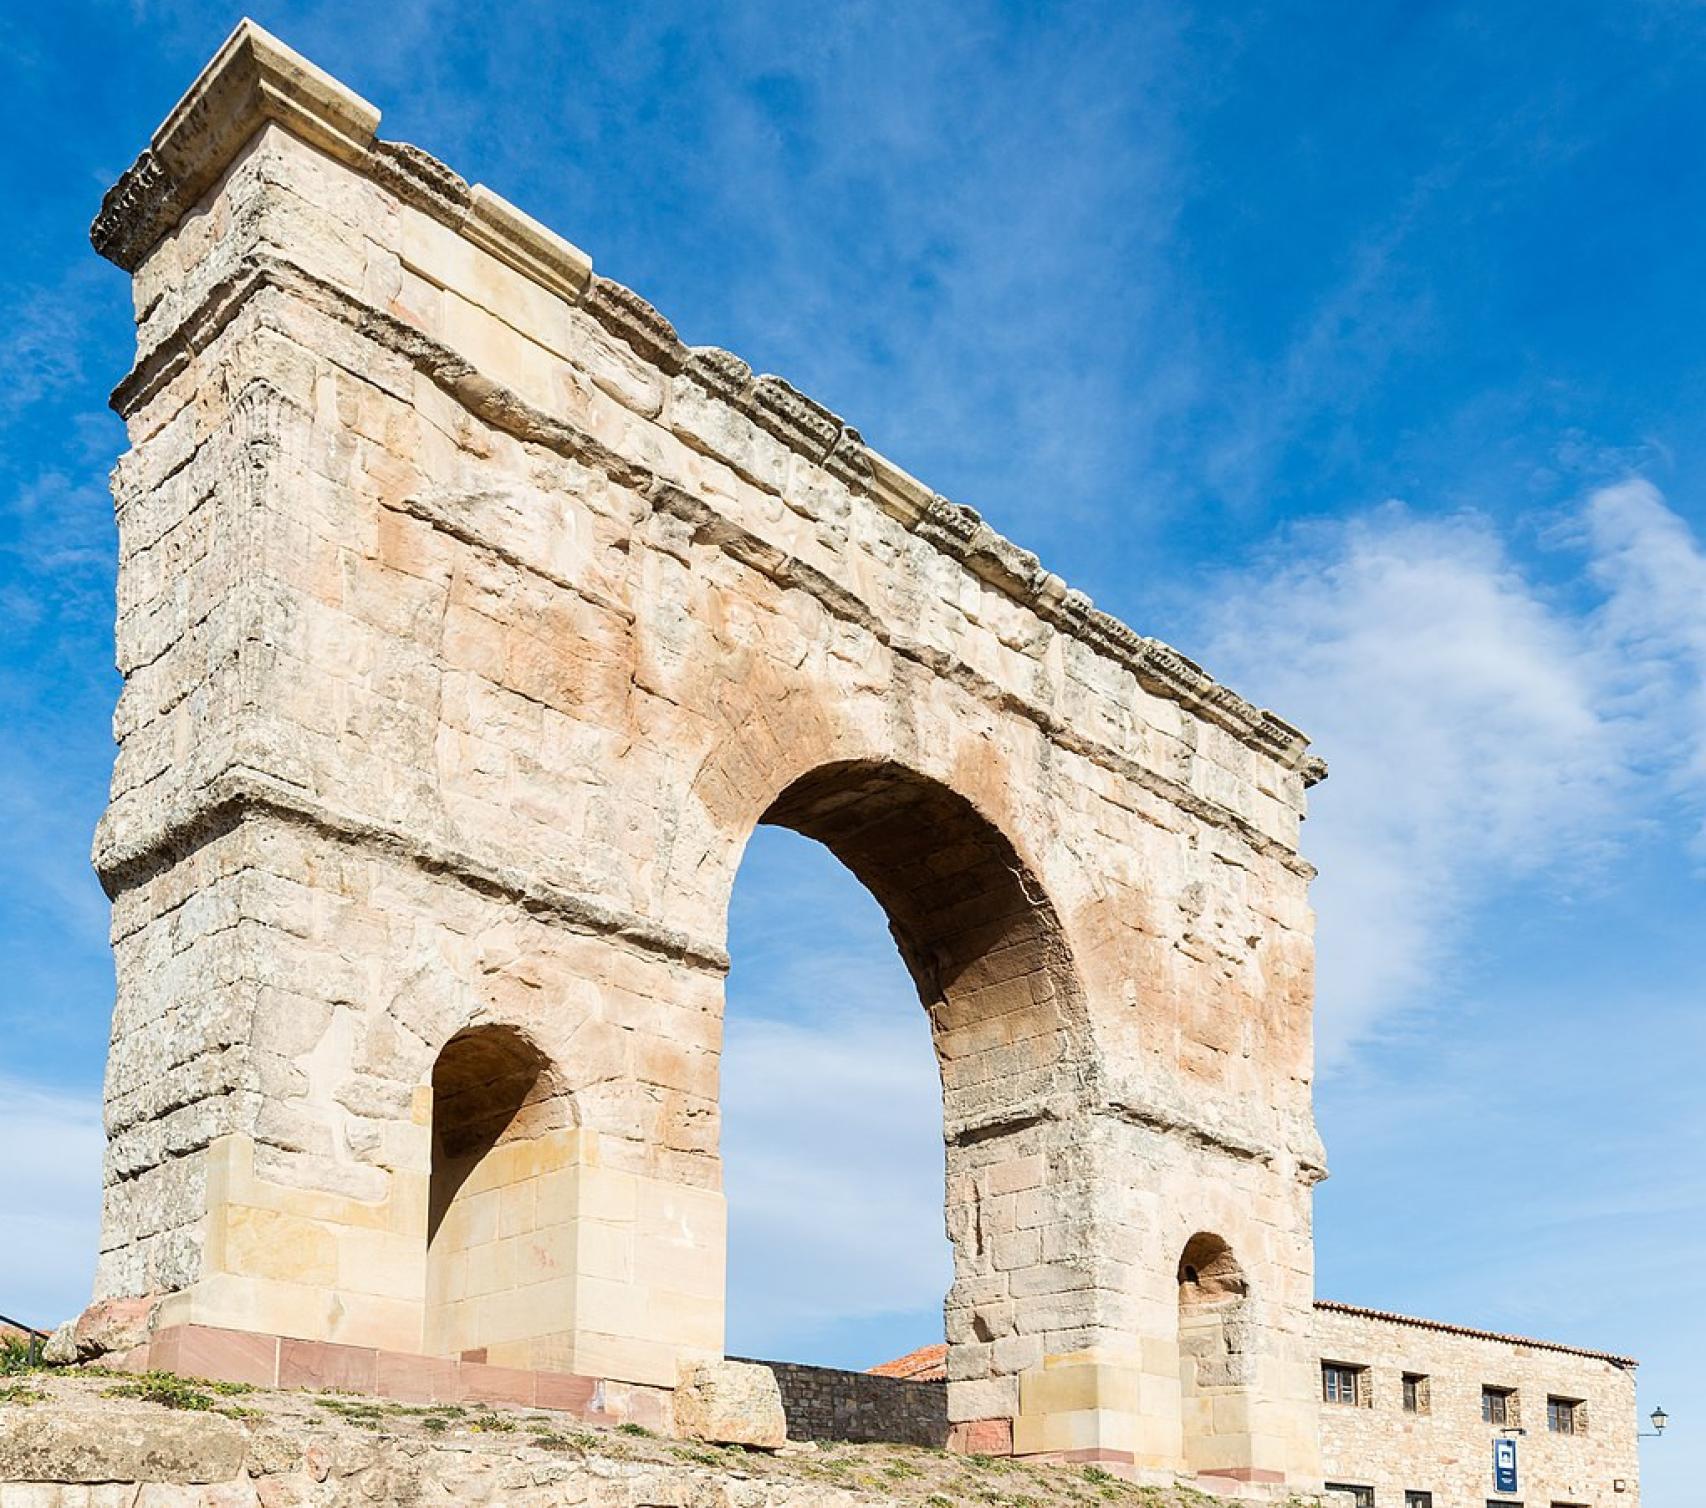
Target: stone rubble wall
{"x":828,"y":1403}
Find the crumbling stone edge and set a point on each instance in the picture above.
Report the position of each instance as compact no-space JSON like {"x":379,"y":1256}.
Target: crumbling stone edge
{"x":254,"y":79}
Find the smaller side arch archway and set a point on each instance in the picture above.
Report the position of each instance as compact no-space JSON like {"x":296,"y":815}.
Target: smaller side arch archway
{"x":500,"y":1214}
{"x":1216,"y":1365}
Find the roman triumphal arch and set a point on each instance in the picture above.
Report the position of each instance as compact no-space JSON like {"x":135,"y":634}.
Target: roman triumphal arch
{"x":470,"y":622}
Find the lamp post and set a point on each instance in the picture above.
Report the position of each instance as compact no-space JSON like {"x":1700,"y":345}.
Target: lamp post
{"x":1660,"y":1420}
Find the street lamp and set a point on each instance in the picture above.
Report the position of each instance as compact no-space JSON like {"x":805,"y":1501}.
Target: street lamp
{"x":1660,"y":1420}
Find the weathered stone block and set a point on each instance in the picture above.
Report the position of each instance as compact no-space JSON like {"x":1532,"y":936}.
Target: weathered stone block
{"x":731,"y":1403}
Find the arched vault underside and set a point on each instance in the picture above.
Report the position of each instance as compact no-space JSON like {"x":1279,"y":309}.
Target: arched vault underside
{"x":470,"y":621}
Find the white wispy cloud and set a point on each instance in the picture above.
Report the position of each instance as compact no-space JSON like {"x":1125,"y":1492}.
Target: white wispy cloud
{"x":1652,"y":568}
{"x":49,"y":1200}
{"x":1482,"y":727}
{"x":832,"y":1112}
{"x":833,"y":1152}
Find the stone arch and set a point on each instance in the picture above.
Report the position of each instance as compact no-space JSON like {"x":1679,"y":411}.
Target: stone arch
{"x":994,"y":971}
{"x":978,"y":934}
{"x":1215,"y":1362}
{"x":500,"y":1226}
{"x":515,"y":700}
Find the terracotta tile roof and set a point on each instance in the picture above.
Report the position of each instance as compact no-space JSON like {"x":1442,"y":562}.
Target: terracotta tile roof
{"x":1330,"y":1307}
{"x":11,"y":1329}
{"x":926,"y":1364}
{"x":930,"y":1363}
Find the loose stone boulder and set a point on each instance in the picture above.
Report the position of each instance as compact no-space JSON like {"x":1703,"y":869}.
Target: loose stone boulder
{"x":730,"y":1403}
{"x":105,"y":1328}
{"x":61,"y":1347}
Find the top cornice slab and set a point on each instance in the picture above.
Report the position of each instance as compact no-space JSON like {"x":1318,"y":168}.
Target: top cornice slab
{"x":255,"y":80}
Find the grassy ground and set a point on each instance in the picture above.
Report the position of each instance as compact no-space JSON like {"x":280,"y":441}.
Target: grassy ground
{"x":897,"y":1474}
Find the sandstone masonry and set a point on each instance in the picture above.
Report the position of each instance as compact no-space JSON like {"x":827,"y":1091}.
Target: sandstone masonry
{"x":1416,"y":1434}
{"x":470,"y":621}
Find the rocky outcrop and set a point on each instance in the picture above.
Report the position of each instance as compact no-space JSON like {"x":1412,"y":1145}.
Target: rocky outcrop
{"x":66,"y":1440}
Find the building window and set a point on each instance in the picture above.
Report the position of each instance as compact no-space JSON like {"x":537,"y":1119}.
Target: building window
{"x":1417,"y":1394}
{"x":1566,"y":1416}
{"x":1502,"y":1503}
{"x":1342,"y":1384}
{"x":1414,"y":1499}
{"x":1498,"y":1406}
{"x":1361,"y":1497}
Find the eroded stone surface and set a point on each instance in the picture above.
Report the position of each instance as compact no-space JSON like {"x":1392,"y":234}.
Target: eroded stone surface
{"x":730,"y":1402}
{"x":469,"y":622}
{"x":340,"y":1452}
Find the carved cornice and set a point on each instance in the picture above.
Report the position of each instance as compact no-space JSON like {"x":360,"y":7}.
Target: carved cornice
{"x":420,"y":179}
{"x":629,"y":317}
{"x":254,"y":79}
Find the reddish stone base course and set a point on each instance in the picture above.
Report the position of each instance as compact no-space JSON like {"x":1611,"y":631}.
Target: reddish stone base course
{"x":280,"y":1361}
{"x":982,"y":1437}
{"x":275,"y":1361}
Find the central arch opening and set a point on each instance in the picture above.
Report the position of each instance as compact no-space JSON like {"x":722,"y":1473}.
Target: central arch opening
{"x":980,"y":946}
{"x":831,"y":1121}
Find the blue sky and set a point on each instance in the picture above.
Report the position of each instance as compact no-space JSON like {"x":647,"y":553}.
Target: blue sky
{"x":1356,"y":349}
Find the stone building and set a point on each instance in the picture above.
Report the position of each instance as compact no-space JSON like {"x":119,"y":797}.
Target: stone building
{"x":469,"y":622}
{"x":1411,"y":1410}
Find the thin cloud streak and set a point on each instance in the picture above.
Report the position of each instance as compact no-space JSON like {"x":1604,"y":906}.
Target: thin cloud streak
{"x":1480,"y":735}
{"x":51,"y":1199}
{"x":832,"y":1118}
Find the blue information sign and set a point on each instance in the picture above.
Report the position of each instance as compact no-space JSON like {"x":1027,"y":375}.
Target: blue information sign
{"x":1504,"y":1465}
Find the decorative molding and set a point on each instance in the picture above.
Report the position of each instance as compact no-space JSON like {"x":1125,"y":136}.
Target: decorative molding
{"x":420,"y":179}
{"x":630,"y":318}
{"x":532,"y":249}
{"x":239,"y":793}
{"x":508,"y":411}
{"x":255,"y":79}
{"x":142,"y":206}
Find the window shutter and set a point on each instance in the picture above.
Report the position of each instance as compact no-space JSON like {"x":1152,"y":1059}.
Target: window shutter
{"x":1581,"y":1413}
{"x":1513,"y":1408}
{"x":1365,"y":1388}
{"x":1424,"y":1396}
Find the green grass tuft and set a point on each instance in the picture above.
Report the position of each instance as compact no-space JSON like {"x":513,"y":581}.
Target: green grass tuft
{"x":19,"y":1356}
{"x":173,"y":1392}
